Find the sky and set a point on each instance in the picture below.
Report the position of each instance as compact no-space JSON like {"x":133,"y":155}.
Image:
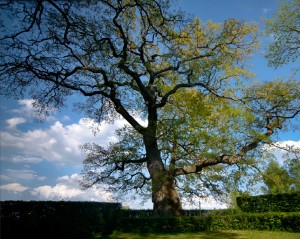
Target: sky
{"x":42,"y":161}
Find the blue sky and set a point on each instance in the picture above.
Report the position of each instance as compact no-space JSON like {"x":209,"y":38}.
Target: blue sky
{"x":41,"y":160}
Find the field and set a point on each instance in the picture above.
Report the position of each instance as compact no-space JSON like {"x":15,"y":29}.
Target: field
{"x":209,"y":235}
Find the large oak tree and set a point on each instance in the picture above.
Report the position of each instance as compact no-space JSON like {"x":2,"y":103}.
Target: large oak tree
{"x":142,"y":60}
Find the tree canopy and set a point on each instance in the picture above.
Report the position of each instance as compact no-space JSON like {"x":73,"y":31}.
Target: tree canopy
{"x":144,"y":61}
{"x":280,"y":179}
{"x":276,"y":179}
{"x":284,"y":27}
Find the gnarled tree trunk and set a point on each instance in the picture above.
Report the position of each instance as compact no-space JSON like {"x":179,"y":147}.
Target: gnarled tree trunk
{"x":166,"y":201}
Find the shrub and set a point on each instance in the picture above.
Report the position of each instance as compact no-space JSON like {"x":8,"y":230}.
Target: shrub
{"x":193,"y":212}
{"x":48,"y":219}
{"x":287,"y":202}
{"x":242,"y":221}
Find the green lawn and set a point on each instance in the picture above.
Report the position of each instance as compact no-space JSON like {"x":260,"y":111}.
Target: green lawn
{"x":209,"y":235}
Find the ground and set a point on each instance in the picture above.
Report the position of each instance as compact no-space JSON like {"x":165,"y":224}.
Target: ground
{"x":209,"y":235}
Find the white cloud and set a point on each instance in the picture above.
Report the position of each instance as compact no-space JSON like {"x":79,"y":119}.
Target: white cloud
{"x":26,"y":107}
{"x":57,"y":143}
{"x":13,"y":187}
{"x":278,"y":149}
{"x":289,"y":143}
{"x":25,"y":159}
{"x":67,"y":188}
{"x":13,"y":122}
{"x":21,"y":175}
{"x":32,"y":109}
{"x":58,"y":191}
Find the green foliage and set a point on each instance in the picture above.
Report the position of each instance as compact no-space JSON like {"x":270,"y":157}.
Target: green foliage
{"x":242,"y":221}
{"x":149,"y":213}
{"x":289,"y":202}
{"x":294,"y":172}
{"x":233,"y":196}
{"x":49,"y":219}
{"x":276,"y":179}
{"x":285,"y":28}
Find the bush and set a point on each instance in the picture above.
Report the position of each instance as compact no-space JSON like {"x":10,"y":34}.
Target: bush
{"x":48,"y":219}
{"x":287,"y":202}
{"x":242,"y":221}
{"x":193,"y":212}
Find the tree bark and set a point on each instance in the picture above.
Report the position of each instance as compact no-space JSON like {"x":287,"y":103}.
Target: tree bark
{"x":165,"y":198}
{"x":166,"y":201}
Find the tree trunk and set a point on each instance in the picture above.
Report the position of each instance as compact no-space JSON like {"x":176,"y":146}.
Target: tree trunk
{"x":166,"y":201}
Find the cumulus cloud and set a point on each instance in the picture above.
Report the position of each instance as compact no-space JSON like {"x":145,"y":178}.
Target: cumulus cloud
{"x":26,"y":107}
{"x":56,"y":192}
{"x":13,"y":122}
{"x":289,"y":143}
{"x":282,"y":149}
{"x":67,"y":188}
{"x":58,"y":143}
{"x":13,"y":187}
{"x":31,"y":109}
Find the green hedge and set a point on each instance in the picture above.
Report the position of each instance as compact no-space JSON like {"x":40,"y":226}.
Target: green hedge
{"x":288,"y":202}
{"x":243,"y":221}
{"x":48,"y":219}
{"x":192,"y":212}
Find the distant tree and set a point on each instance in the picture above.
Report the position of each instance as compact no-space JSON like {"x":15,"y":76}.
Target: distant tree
{"x":142,"y":60}
{"x":294,"y":172}
{"x":276,"y":179}
{"x":284,"y":27}
{"x":282,"y":179}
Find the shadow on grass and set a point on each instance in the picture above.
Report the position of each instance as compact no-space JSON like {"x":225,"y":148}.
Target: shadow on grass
{"x":200,"y":235}
{"x":215,"y":235}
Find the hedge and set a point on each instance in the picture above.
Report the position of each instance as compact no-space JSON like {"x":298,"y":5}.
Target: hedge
{"x":287,"y":202}
{"x":49,"y":219}
{"x":190,"y":212}
{"x":83,"y":220}
{"x":243,"y":221}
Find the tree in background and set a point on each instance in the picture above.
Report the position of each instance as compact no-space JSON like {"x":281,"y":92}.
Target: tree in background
{"x":285,"y":28}
{"x":294,"y":172}
{"x":280,"y":179}
{"x":276,"y":179}
{"x":206,"y":122}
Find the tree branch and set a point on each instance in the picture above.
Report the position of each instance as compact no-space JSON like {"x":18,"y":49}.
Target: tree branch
{"x":227,"y":159}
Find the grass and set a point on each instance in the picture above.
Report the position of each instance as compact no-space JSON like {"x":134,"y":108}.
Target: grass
{"x":208,"y":235}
